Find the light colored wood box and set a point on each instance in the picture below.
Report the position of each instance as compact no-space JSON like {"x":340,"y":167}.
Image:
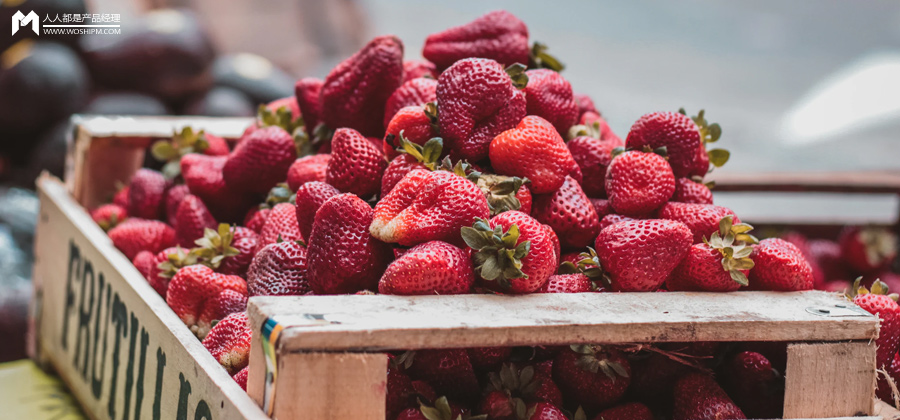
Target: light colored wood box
{"x":125,"y":354}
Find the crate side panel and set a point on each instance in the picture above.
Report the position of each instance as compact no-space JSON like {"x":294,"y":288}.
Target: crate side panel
{"x":829,"y":380}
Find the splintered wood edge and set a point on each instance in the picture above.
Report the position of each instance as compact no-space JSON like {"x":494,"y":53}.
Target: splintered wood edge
{"x":380,"y":322}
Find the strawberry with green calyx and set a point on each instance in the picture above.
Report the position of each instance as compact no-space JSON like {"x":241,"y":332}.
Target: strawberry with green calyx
{"x":228,"y":250}
{"x":877,"y":301}
{"x":586,"y":264}
{"x":709,"y":133}
{"x":411,"y":156}
{"x":594,"y":126}
{"x":702,"y":219}
{"x":449,"y":371}
{"x":719,"y":264}
{"x":592,"y":376}
{"x":108,"y":216}
{"x":674,"y":131}
{"x":182,"y":143}
{"x":510,"y":390}
{"x":697,"y":396}
{"x":504,"y":193}
{"x":418,"y":123}
{"x":159,"y":268}
{"x":442,"y":410}
{"x":539,"y":58}
{"x":283,"y":117}
{"x":280,"y":193}
{"x":868,"y":249}
{"x":414,"y":92}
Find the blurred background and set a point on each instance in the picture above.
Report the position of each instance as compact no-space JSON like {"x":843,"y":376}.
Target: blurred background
{"x":796,"y":86}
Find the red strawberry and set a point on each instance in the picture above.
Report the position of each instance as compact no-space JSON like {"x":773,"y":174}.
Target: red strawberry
{"x":241,"y":377}
{"x":442,"y":410}
{"x":611,"y":219}
{"x":545,"y":411}
{"x":121,"y":197}
{"x":279,"y":269}
{"x":592,"y":377}
{"x":557,"y":248}
{"x":884,"y":390}
{"x":256,"y":218}
{"x":354,"y":93}
{"x":191,"y":219}
{"x":702,"y":219}
{"x":510,"y":389}
{"x":289,"y":103}
{"x":518,"y":259}
{"x":356,"y":165}
{"x":653,"y":379}
{"x":108,"y":216}
{"x":719,"y":264}
{"x":159,"y":268}
{"x":496,"y":35}
{"x":755,"y":385}
{"x":596,"y":124}
{"x":343,"y":257}
{"x":688,"y":191}
{"x":412,"y":156}
{"x":203,"y":176}
{"x":146,"y":194}
{"x":877,"y":302}
{"x":533,"y":150}
{"x":549,"y":96}
{"x":674,"y":131}
{"x":827,"y":254}
{"x":448,"y":371}
{"x":638,"y":183}
{"x":638,"y":255}
{"x":229,"y":342}
{"x":569,"y":212}
{"x":867,"y":250}
{"x":593,"y":157}
{"x":136,"y":235}
{"x":310,"y":196}
{"x":174,"y":195}
{"x":504,"y":193}
{"x":779,"y":266}
{"x":627,"y":411}
{"x":282,"y":222}
{"x":399,"y":389}
{"x":700,"y":166}
{"x":414,"y":69}
{"x":697,"y":396}
{"x":477,"y":100}
{"x":602,"y":207}
{"x":182,"y":143}
{"x":416,"y":125}
{"x":199,"y":296}
{"x":413,"y":92}
{"x":567,"y":283}
{"x":709,"y":133}
{"x":260,"y":160}
{"x":585,"y":104}
{"x":488,"y":358}
{"x":307,"y":169}
{"x":227,"y":249}
{"x":427,"y":269}
{"x":307,"y":92}
{"x":428,"y":206}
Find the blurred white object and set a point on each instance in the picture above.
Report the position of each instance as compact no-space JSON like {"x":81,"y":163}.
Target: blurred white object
{"x":863,"y":95}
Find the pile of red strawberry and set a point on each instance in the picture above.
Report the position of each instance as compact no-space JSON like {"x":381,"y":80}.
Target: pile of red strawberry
{"x":476,"y":171}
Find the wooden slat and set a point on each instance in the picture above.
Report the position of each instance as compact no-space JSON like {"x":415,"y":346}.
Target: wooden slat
{"x":886,"y":411}
{"x":162,"y":126}
{"x":852,"y":182}
{"x":396,"y":322}
{"x":829,"y":380}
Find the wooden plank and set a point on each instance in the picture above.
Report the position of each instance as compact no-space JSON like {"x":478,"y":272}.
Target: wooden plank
{"x":381,"y":322}
{"x":331,"y":386}
{"x":886,"y":411}
{"x":830,"y":380}
{"x":110,"y":336}
{"x":849,"y":182}
{"x":161,"y":126}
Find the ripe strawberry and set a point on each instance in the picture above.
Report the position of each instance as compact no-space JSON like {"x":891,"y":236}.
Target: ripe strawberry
{"x":309,"y":197}
{"x":514,"y":252}
{"x":877,"y":302}
{"x":279,"y":269}
{"x":496,"y":35}
{"x":674,"y":131}
{"x":638,"y":183}
{"x":307,"y":169}
{"x":199,"y":296}
{"x":626,"y":411}
{"x":869,"y":249}
{"x":191,"y":219}
{"x":638,"y":255}
{"x":343,"y":257}
{"x":229,"y":342}
{"x":488,"y":358}
{"x":533,"y":150}
{"x":779,"y":266}
{"x":226,"y":249}
{"x":477,"y":100}
{"x":702,"y":219}
{"x":256,"y":218}
{"x":567,"y":283}
{"x":557,"y":248}
{"x":884,"y":390}
{"x":688,"y":191}
{"x":597,"y":128}
{"x":241,"y":377}
{"x":611,"y":219}
{"x":355,"y":91}
{"x":700,"y":167}
{"x":585,"y":104}
{"x":414,"y":69}
{"x":719,"y":264}
{"x":182,"y":143}
{"x":827,"y":254}
{"x":204,"y":178}
{"x":159,"y":268}
{"x":411,"y":156}
{"x":442,"y":410}
{"x":593,"y":156}
{"x":413,"y":92}
{"x":307,"y":92}
{"x":281,"y":223}
{"x":260,"y":160}
{"x":174,"y":195}
{"x":428,"y":206}
{"x":414,"y":123}
{"x":136,"y":235}
{"x":602,"y":207}
{"x":757,"y":388}
{"x":447,"y":370}
{"x":146,"y":194}
{"x":569,"y":213}
{"x":593,"y":377}
{"x":356,"y":166}
{"x":399,"y":389}
{"x":427,"y":269}
{"x":121,"y":197}
{"x":289,"y":104}
{"x":709,"y":133}
{"x":544,"y":411}
{"x":504,"y":193}
{"x":697,"y":396}
{"x":549,"y":96}
{"x":108,"y":216}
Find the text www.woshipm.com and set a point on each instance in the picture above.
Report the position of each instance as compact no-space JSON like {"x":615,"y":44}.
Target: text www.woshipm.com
{"x":82,"y":31}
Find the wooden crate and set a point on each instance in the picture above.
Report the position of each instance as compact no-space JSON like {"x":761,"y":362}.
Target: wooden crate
{"x":96,"y":321}
{"x":313,"y":355}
